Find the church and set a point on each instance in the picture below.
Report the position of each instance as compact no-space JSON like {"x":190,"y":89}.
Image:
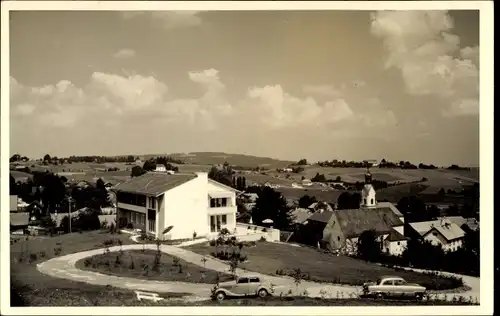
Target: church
{"x":339,"y":230}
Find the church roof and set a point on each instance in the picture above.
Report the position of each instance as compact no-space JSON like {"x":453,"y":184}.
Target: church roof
{"x":389,"y":205}
{"x":355,"y":221}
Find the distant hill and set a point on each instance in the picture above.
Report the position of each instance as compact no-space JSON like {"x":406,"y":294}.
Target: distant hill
{"x":213,"y":158}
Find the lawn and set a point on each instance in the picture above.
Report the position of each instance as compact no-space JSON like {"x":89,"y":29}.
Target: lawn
{"x":140,"y":264}
{"x":309,"y":301}
{"x":269,"y":258}
{"x":37,"y":289}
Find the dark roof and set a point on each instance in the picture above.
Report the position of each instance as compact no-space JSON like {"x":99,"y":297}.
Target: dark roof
{"x":154,"y":183}
{"x":323,"y":217}
{"x":356,"y":221}
{"x":20,"y":175}
{"x":19,"y":218}
{"x":394,"y":235}
{"x":13,"y":202}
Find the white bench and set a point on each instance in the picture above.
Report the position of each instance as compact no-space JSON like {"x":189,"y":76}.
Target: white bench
{"x":148,"y":295}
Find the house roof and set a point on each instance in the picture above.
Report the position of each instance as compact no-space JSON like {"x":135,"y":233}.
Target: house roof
{"x":394,"y":235}
{"x":20,"y":175}
{"x":459,"y":220}
{"x":300,"y":215}
{"x":153,"y":183}
{"x":323,"y":217}
{"x":13,"y":202}
{"x":19,"y":218}
{"x":223,"y":185}
{"x":389,"y":205}
{"x":354,"y":222}
{"x":447,"y":228}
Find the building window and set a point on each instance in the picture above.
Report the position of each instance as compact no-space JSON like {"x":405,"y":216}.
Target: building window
{"x":219,"y":202}
{"x":372,"y":201}
{"x":364,"y":201}
{"x":399,"y":243}
{"x":338,"y":238}
{"x":224,"y":219}
{"x":152,"y":202}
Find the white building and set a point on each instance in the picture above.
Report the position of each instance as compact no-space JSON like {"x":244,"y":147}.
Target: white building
{"x":188,"y":202}
{"x":160,"y":168}
{"x":441,"y":232}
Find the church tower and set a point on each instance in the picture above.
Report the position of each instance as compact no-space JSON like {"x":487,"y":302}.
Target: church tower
{"x":368,"y":194}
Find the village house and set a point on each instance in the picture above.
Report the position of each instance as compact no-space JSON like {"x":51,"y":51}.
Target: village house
{"x":160,"y":168}
{"x":441,"y":232}
{"x":191,"y":203}
{"x":320,"y":207}
{"x":19,"y":217}
{"x":339,"y":230}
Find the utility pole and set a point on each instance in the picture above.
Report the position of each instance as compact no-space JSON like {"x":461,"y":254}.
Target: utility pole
{"x":69,"y":212}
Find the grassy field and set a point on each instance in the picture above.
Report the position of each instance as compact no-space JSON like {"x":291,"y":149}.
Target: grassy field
{"x":33,"y":286}
{"x":91,"y":295}
{"x":295,"y":194}
{"x":309,"y":301}
{"x":268,"y":258}
{"x":168,"y":270}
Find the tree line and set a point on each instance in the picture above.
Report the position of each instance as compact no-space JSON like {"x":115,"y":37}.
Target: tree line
{"x":52,"y":192}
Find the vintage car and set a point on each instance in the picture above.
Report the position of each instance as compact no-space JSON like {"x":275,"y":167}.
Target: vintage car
{"x":393,"y":286}
{"x":247,"y":285}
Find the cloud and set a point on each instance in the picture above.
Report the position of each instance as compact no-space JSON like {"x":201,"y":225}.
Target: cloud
{"x":324,"y":90}
{"x":124,"y":53}
{"x":421,"y":45}
{"x":136,"y":100}
{"x":168,"y":20}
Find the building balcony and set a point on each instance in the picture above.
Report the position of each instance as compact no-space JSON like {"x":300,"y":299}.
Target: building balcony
{"x":131,"y":207}
{"x":221,"y":210}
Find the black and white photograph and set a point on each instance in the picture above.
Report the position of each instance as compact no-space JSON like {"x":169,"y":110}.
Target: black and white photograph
{"x":232,"y":158}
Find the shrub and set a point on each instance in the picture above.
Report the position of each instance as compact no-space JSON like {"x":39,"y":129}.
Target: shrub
{"x":262,"y":238}
{"x":118,"y":261}
{"x":57,"y":251}
{"x":212,"y":243}
{"x":129,"y":226}
{"x":132,"y":264}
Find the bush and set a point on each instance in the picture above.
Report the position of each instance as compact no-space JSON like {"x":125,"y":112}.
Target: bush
{"x":262,"y":238}
{"x":129,"y":226}
{"x":33,"y":257}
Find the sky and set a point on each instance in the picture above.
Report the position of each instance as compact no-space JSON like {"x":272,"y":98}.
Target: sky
{"x":321,"y":85}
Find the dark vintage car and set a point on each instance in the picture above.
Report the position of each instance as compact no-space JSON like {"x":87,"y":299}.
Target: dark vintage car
{"x":243,"y":286}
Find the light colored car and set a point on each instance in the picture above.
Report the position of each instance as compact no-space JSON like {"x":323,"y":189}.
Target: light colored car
{"x":247,"y":285}
{"x":393,"y":286}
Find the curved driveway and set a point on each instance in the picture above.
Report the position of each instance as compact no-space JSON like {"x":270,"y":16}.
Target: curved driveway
{"x":64,"y":267}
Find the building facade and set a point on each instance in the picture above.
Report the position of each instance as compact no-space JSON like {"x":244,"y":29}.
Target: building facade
{"x":190,"y":203}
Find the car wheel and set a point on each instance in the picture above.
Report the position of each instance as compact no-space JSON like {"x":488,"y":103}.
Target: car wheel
{"x":419,"y":296}
{"x":220,"y":296}
{"x":380,"y":295}
{"x":263,"y":293}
